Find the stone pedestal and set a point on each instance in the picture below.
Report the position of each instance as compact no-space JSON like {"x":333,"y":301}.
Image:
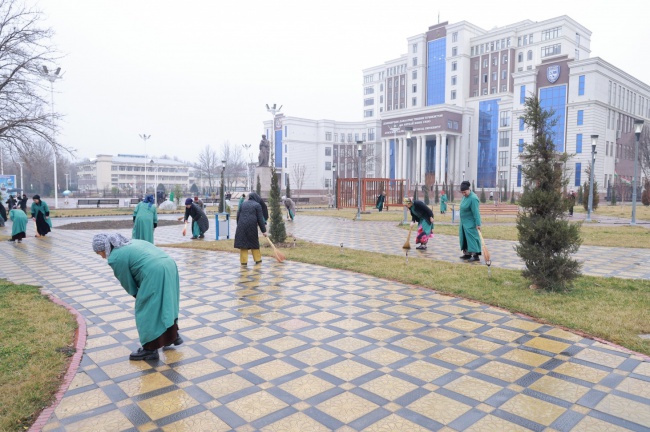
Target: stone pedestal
{"x":264,"y":174}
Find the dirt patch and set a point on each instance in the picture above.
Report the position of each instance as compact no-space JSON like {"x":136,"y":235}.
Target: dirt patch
{"x":110,"y":225}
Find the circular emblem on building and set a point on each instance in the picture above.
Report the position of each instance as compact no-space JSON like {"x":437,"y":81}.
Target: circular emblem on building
{"x":553,"y":73}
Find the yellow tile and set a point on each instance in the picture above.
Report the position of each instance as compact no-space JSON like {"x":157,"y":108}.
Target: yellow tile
{"x":379,"y":333}
{"x":313,"y":356}
{"x":145,"y":384}
{"x":306,"y":386}
{"x":200,"y":333}
{"x":480,"y":345}
{"x":643,"y":369}
{"x":319,"y":333}
{"x":383,"y":356}
{"x":502,"y":371}
{"x":413,"y":343}
{"x":100,"y":341}
{"x":473,"y":388}
{"x":406,"y":325}
{"x":245,"y":355}
{"x":389,"y":387}
{"x":170,"y":356}
{"x":523,"y":324}
{"x":349,"y":344}
{"x":284,"y":343}
{"x":376,"y":316}
{"x":579,"y":371}
{"x":256,"y":405}
{"x":167,"y":404}
{"x":591,"y":424}
{"x":147,"y":427}
{"x":562,"y":334}
{"x":454,"y":356}
{"x":237,"y":324}
{"x":394,"y":423}
{"x":547,"y":345}
{"x":259,"y":333}
{"x":323,"y":316}
{"x":81,"y":402}
{"x":463,"y":324}
{"x":204,"y":421}
{"x":400,"y":309}
{"x":110,"y":421}
{"x":454,"y":310}
{"x":109,"y":354}
{"x":81,"y":379}
{"x":348,"y":370}
{"x":349,"y":324}
{"x":424,"y":370}
{"x":601,"y":358}
{"x":51,"y":426}
{"x":533,"y":409}
{"x":347,"y":407}
{"x":626,"y":409}
{"x":526,"y":357}
{"x":635,"y":386}
{"x":125,"y":367}
{"x":439,"y":408}
{"x":224,"y":385}
{"x":502,"y":334}
{"x":490,"y":423}
{"x":274,"y":369}
{"x":485,"y":316}
{"x":430,"y":316}
{"x":559,"y":388}
{"x":198,"y":369}
{"x":440,"y":334}
{"x":297,"y":422}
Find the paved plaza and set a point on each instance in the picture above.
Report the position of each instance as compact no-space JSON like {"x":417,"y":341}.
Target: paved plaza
{"x":298,"y":347}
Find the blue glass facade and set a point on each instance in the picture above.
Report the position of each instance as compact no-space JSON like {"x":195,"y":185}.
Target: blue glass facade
{"x":579,"y":143}
{"x":436,"y":69}
{"x":581,"y":85}
{"x":488,"y":137}
{"x":581,"y":117}
{"x":518,"y":175}
{"x":278,"y":148}
{"x":521,"y":124}
{"x":430,"y":157}
{"x":554,"y":98}
{"x":578,"y":172}
{"x":392,"y":159}
{"x":521,"y":145}
{"x":522,"y":94}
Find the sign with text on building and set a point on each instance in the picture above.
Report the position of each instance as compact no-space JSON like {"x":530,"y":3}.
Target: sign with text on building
{"x":424,"y":124}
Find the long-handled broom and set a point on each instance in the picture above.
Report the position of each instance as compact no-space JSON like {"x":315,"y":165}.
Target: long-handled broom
{"x":278,"y":255}
{"x":185,"y":229}
{"x":486,"y":252}
{"x":36,"y":229}
{"x":407,"y":244}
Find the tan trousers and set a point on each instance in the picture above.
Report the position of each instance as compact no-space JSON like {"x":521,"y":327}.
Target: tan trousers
{"x":243,"y":256}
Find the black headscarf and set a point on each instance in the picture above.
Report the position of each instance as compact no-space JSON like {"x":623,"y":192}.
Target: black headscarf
{"x":255,"y":197}
{"x":36,"y":197}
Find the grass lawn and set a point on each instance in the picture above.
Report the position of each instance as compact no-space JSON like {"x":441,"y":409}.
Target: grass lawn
{"x":87,"y":212}
{"x":619,"y":210}
{"x":37,"y":337}
{"x":617,"y":310}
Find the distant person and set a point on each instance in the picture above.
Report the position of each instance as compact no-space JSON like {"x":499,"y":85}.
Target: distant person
{"x":199,"y":202}
{"x":291,"y":207}
{"x":3,"y":214}
{"x":250,"y":216}
{"x":145,"y":219}
{"x":381,"y":201}
{"x":571,"y":201}
{"x":151,"y":277}
{"x":41,"y":214}
{"x":19,"y":226}
{"x":200,"y":223}
{"x":23,"y":203}
{"x":11,"y":202}
{"x":242,"y":198}
{"x":443,"y":203}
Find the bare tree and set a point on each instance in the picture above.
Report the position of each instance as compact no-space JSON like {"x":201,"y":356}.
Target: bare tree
{"x":235,"y":164}
{"x":644,"y":151}
{"x":24,"y":51}
{"x":208,"y":166}
{"x":298,"y":176}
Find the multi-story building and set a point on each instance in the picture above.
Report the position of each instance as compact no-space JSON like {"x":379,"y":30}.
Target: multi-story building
{"x":311,"y":153}
{"x":127,"y":173}
{"x":462,"y":90}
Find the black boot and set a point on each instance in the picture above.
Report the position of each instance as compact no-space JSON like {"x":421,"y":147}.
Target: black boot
{"x":474,"y":258}
{"x":465,"y":257}
{"x":143,"y":354}
{"x":178,"y":341}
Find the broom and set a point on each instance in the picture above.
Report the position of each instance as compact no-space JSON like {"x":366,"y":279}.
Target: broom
{"x":407,"y":244}
{"x":185,"y":229}
{"x":36,"y":229}
{"x":278,"y":255}
{"x":486,"y":252}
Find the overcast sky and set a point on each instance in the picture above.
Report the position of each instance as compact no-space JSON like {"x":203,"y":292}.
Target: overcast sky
{"x":192,"y":73}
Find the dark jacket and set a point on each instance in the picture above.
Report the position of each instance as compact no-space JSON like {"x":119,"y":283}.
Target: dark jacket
{"x":249,"y":217}
{"x":420,"y":210}
{"x":265,"y":211}
{"x":23,"y":204}
{"x":198,"y":216}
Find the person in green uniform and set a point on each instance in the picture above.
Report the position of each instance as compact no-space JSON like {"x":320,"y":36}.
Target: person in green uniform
{"x":19,"y":226}
{"x":41,"y":214}
{"x":423,"y":216}
{"x":291,"y":207}
{"x":145,"y":219}
{"x":470,"y":224}
{"x":381,"y":199}
{"x":242,"y":198}
{"x":443,"y":203}
{"x":151,"y":276}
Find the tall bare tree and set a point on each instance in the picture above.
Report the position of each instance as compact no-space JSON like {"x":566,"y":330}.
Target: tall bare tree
{"x":298,"y":175}
{"x":644,"y":151}
{"x":235,"y":164}
{"x":209,"y":166}
{"x":25,"y":49}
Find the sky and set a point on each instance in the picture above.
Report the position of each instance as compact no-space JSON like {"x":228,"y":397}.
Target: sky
{"x":199,"y":72}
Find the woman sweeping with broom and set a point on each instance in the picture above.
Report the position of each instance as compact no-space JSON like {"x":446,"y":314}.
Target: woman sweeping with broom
{"x":470,"y":225}
{"x":250,"y":216}
{"x":423,"y":216}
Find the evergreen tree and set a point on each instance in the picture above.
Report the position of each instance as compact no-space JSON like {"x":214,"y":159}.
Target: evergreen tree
{"x":288,"y":190}
{"x":546,"y":238}
{"x":436,"y":196}
{"x":473,"y":188}
{"x":415,"y":193}
{"x":612,"y":196}
{"x":579,"y":197}
{"x":585,"y":197}
{"x":482,"y":197}
{"x":451,"y":192}
{"x":645,"y":196}
{"x":277,"y":230}
{"x":512,"y":197}
{"x":504,"y":197}
{"x":425,"y":191}
{"x":258,"y":188}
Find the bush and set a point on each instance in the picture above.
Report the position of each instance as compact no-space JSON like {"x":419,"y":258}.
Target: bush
{"x":436,"y":196}
{"x":512,"y":196}
{"x":483,"y":199}
{"x":288,"y":190}
{"x":585,"y":197}
{"x":547,"y":240}
{"x":579,"y":197}
{"x":258,"y":188}
{"x":645,"y":196}
{"x":425,"y":191}
{"x":612,"y":196}
{"x":277,"y":230}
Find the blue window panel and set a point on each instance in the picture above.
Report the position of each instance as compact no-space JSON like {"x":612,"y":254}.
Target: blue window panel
{"x":392,"y":159}
{"x":431,"y":157}
{"x":578,"y":172}
{"x":436,"y":71}
{"x":521,"y":145}
{"x":522,"y":94}
{"x":278,"y":148}
{"x":285,"y":131}
{"x":579,"y":143}
{"x":581,"y":85}
{"x":554,"y":98}
{"x":581,"y":117}
{"x":518,"y":175}
{"x":521,"y":124}
{"x":488,"y":137}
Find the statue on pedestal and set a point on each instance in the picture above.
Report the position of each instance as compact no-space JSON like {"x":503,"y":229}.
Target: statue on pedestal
{"x":265,"y":149}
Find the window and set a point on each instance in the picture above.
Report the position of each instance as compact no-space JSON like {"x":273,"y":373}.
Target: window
{"x":551,"y":33}
{"x":578,"y":172}
{"x":475,"y":93}
{"x":504,"y":87}
{"x":368,"y":113}
{"x":551,"y":50}
{"x":328,"y":183}
{"x":454,"y":65}
{"x":371,"y":134}
{"x":414,"y":74}
{"x":342,"y":137}
{"x":381,"y":99}
{"x":504,"y":119}
{"x":521,"y":124}
{"x":522,"y":94}
{"x":581,"y":85}
{"x":381,"y":87}
{"x":503,"y":158}
{"x":504,"y":74}
{"x":414,"y":88}
{"x":453,"y":80}
{"x":485,"y":78}
{"x":504,"y":59}
{"x":529,"y":55}
{"x":476,"y":65}
{"x":485,"y":91}
{"x":328,"y":136}
{"x":454,"y":51}
{"x":475,"y":79}
{"x":577,"y":39}
{"x":520,"y":57}
{"x":521,"y":145}
{"x":415,"y":61}
{"x":518,"y":175}
{"x":581,"y":114}
{"x":414,"y":101}
{"x":336,"y":137}
{"x":454,"y":37}
{"x":579,"y":143}
{"x":453,"y":94}
{"x":370,"y":101}
{"x":415,"y":48}
{"x":494,"y":76}
{"x":493,"y":90}
{"x":495,"y":61}
{"x":356,"y":136}
{"x":328,"y":166}
{"x":504,"y":139}
{"x":367,"y":79}
{"x":286,"y":131}
{"x":485,"y":63}
{"x":368,"y":90}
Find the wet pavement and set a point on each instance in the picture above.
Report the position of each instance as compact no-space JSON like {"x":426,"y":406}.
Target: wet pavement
{"x":292,"y":346}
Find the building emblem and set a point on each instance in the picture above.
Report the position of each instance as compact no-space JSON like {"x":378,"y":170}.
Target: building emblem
{"x":553,"y":73}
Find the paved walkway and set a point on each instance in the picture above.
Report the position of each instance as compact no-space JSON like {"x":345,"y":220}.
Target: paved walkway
{"x":291,"y":346}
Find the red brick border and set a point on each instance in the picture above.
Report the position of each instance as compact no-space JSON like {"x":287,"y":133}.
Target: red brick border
{"x":79,"y":344}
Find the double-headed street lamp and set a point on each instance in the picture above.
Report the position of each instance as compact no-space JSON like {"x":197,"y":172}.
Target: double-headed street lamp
{"x":359,"y":148}
{"x":638,"y":127}
{"x":594,"y":142}
{"x":222,"y":204}
{"x":51,"y":77}
{"x":145,"y":137}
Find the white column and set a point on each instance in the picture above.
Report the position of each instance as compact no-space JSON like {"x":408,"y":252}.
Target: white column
{"x":404,"y":157}
{"x":418,"y":159}
{"x":443,"y":156}
{"x":437,"y":166}
{"x":383,"y":158}
{"x":457,"y":164}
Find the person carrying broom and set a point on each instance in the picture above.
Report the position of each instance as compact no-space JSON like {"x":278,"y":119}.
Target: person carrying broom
{"x":423,"y":216}
{"x":470,"y":225}
{"x":250,"y":215}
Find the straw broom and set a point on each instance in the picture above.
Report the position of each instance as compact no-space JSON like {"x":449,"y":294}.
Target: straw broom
{"x":486,"y":252}
{"x":185,"y":229}
{"x":407,"y":244}
{"x":278,"y":255}
{"x":36,"y":229}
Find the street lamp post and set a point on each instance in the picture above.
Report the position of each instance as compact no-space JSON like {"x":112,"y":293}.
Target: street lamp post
{"x":359,"y":148}
{"x":66,"y":178}
{"x":394,"y":130}
{"x":22,"y":185}
{"x":500,"y":185}
{"x":594,"y":141}
{"x":248,"y":176}
{"x":145,"y":137}
{"x":336,"y":201}
{"x":275,"y":111}
{"x":638,"y":127}
{"x":222,"y":206}
{"x":409,"y":133}
{"x":51,"y":77}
